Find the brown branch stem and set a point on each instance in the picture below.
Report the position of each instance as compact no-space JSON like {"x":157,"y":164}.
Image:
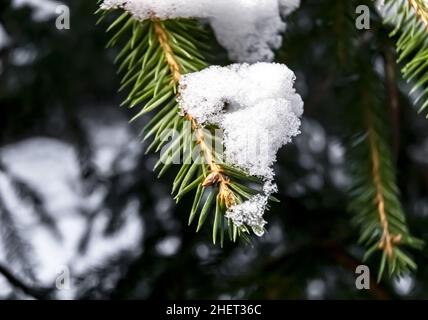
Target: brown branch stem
{"x":388,"y":240}
{"x":216,"y":175}
{"x":394,"y":100}
{"x":420,"y":10}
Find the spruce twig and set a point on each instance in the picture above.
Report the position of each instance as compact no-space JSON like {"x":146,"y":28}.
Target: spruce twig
{"x":155,"y":57}
{"x":410,"y":20}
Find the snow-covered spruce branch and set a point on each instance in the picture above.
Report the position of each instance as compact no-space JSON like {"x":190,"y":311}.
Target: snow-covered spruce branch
{"x":163,"y":55}
{"x":257,"y":110}
{"x":410,"y":21}
{"x":374,"y":194}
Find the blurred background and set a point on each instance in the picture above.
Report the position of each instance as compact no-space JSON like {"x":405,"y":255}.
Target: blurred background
{"x":79,"y":201}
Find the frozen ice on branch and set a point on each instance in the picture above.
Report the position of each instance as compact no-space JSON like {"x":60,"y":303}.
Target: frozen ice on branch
{"x":249,"y":29}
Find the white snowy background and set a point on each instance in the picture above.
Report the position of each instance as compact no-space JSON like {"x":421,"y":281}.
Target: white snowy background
{"x":51,"y":167}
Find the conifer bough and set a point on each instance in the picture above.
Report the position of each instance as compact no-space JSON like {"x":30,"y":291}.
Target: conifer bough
{"x":156,"y":58}
{"x":164,"y":65}
{"x":410,"y":21}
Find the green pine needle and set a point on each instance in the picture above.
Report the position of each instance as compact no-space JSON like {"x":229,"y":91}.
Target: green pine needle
{"x":410,"y":18}
{"x":154,"y":56}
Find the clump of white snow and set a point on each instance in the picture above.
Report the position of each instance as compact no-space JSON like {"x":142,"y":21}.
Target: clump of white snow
{"x":256,"y":106}
{"x":288,"y":6}
{"x":254,"y":135}
{"x":259,"y":111}
{"x":249,"y":30}
{"x":249,"y":213}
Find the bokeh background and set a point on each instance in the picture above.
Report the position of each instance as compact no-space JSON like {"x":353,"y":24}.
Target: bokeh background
{"x":78,"y":195}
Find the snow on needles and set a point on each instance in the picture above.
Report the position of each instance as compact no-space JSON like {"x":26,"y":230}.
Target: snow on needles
{"x":250,"y":213}
{"x":256,"y":106}
{"x":259,"y":111}
{"x":249,"y":29}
